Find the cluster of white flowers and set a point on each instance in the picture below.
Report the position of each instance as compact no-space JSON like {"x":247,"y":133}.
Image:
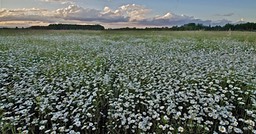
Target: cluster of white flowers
{"x":95,"y":83}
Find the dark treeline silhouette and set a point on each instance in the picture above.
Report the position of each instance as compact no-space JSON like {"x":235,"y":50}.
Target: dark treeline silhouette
{"x":193,"y":26}
{"x":68,"y":27}
{"x":186,"y":27}
{"x":234,"y":27}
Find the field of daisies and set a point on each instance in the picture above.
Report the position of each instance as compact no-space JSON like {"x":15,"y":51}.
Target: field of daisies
{"x":112,"y":82}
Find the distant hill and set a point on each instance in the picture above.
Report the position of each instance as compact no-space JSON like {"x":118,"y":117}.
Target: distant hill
{"x":68,"y":27}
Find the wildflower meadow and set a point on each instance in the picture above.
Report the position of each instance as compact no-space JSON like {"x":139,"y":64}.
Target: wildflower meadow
{"x":113,"y":82}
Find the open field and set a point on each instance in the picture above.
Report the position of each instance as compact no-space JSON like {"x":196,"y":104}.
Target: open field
{"x":127,"y":82}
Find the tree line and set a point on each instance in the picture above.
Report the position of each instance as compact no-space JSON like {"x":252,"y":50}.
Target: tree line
{"x":186,"y":27}
{"x":234,"y":27}
{"x":193,"y":27}
{"x":68,"y":27}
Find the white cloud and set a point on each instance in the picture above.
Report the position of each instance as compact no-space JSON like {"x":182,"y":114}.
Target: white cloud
{"x":129,"y":12}
{"x":74,"y":12}
{"x":32,"y":14}
{"x":134,"y":12}
{"x":170,"y":19}
{"x":126,"y":15}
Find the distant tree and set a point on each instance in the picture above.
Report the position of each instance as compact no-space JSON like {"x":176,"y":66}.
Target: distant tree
{"x":228,"y":27}
{"x":69,"y":27}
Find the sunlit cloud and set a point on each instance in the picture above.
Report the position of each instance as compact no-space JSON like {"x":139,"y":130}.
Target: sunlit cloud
{"x":31,"y":14}
{"x":170,"y":19}
{"x":21,"y":23}
{"x":122,"y":16}
{"x":74,"y":12}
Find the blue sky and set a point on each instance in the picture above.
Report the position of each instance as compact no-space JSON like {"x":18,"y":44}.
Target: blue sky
{"x":123,"y":13}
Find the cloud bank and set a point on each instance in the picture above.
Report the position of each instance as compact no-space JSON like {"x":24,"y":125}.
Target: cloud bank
{"x":125,"y":15}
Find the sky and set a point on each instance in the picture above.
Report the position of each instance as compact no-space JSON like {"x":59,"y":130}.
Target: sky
{"x":125,"y":13}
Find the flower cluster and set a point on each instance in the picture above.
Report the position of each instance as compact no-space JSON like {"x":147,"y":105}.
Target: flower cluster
{"x":95,"y":83}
